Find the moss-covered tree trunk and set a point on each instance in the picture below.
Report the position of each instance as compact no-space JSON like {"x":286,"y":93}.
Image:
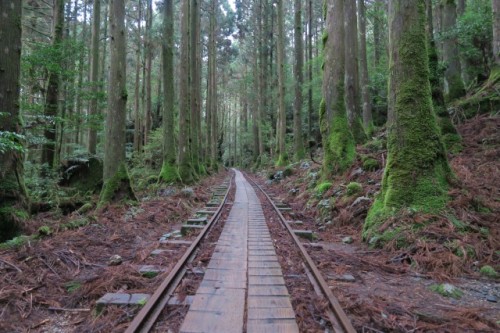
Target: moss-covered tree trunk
{"x":185,"y":163}
{"x":417,"y":171}
{"x":338,"y":141}
{"x":298,"y":141}
{"x":352,"y":88}
{"x":169,"y":171}
{"x":116,"y":179}
{"x":13,"y":198}
{"x":195,"y":87}
{"x":281,"y":130}
{"x":451,"y":57}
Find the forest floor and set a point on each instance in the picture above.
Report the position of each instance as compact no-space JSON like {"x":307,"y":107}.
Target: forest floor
{"x":390,"y":288}
{"x":51,"y":284}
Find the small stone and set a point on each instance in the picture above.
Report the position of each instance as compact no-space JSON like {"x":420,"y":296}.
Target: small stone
{"x":294,"y":191}
{"x":492,"y":298}
{"x":347,"y":240}
{"x":115,"y":260}
{"x":347,"y":278}
{"x":305,"y":165}
{"x":373,"y":240}
{"x":370,"y":182}
{"x":322,"y":228}
{"x":187,"y":192}
{"x":357,"y":172}
{"x":360,"y":200}
{"x":167,"y":192}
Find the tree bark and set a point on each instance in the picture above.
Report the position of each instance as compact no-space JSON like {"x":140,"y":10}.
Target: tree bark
{"x":495,"y":4}
{"x":281,"y":130}
{"x":352,"y":91}
{"x":148,"y":112}
{"x":195,"y":83}
{"x":116,"y":178}
{"x":363,"y":63}
{"x":338,"y":141}
{"x":94,"y":78}
{"x":137,"y":96}
{"x":52,"y":98}
{"x":169,"y":172}
{"x":453,"y":75}
{"x":299,"y":76}
{"x":417,"y":169}
{"x":310,"y":73}
{"x":13,"y":197}
{"x":185,"y":165}
{"x":213,"y":86}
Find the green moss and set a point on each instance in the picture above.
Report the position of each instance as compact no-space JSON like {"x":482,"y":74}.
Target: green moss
{"x":340,"y":149}
{"x":150,"y":275}
{"x":447,"y":290}
{"x":322,"y":188}
{"x":186,"y":173}
{"x":376,"y":145}
{"x":72,"y":286}
{"x":74,"y":224}
{"x":117,"y":187}
{"x":10,"y":218}
{"x":354,"y":188}
{"x":417,"y":171}
{"x":288,"y":171}
{"x":16,"y":242}
{"x":370,"y":164}
{"x":282,"y":160}
{"x":488,"y":271}
{"x":357,"y":130}
{"x":456,"y":88}
{"x":44,"y":231}
{"x":85,"y":208}
{"x":168,"y":173}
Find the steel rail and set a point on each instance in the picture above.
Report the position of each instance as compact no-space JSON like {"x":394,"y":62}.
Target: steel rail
{"x":148,"y":315}
{"x":340,"y":315}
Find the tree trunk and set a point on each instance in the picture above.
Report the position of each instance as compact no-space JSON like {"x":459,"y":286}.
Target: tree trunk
{"x":94,"y":77}
{"x":137,"y":95}
{"x":363,"y":63}
{"x":13,"y":197}
{"x":338,"y":142}
{"x":115,"y":175}
{"x":148,"y":112}
{"x":169,"y":171}
{"x":298,"y":140}
{"x":195,"y":85}
{"x":417,"y":169}
{"x":310,"y":73}
{"x":79,"y":112}
{"x":281,"y":130}
{"x":185,"y":165}
{"x":352,"y":91}
{"x":52,"y":98}
{"x":453,"y":74}
{"x":212,"y":92}
{"x":495,"y":4}
{"x":377,"y":32}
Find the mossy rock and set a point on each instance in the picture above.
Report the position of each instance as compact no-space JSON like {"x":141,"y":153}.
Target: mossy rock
{"x":447,"y":290}
{"x":16,"y":242}
{"x":353,"y":188}
{"x":288,"y":171}
{"x":83,"y":174}
{"x":488,"y":271}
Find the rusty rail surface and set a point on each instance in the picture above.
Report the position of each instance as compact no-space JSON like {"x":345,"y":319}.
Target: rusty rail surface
{"x":343,"y":323}
{"x":148,"y":315}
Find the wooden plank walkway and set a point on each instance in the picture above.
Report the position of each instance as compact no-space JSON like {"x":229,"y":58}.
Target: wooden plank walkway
{"x":243,"y":272}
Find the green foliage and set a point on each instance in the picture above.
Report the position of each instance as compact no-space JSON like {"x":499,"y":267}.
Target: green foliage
{"x":370,"y":164}
{"x":72,"y":286}
{"x":10,"y":141}
{"x":42,"y":184}
{"x":44,"y":231}
{"x":322,"y":188}
{"x":488,"y":271}
{"x":149,"y":275}
{"x":447,"y":290}
{"x":288,"y":171}
{"x":16,"y":242}
{"x":75,"y":224}
{"x":354,"y":188}
{"x":376,"y":145}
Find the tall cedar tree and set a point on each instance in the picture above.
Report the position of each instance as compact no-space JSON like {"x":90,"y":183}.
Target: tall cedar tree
{"x":281,"y":130}
{"x":298,"y":141}
{"x":417,"y":171}
{"x":94,"y":77}
{"x":338,"y":141}
{"x":116,"y":178}
{"x":451,"y":56}
{"x":363,"y":70}
{"x":13,"y":198}
{"x":169,"y":172}
{"x":52,"y":97}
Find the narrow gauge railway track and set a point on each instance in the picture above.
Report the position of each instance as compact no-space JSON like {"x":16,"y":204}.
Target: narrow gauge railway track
{"x":243,"y":288}
{"x":339,"y":321}
{"x":145,"y":320}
